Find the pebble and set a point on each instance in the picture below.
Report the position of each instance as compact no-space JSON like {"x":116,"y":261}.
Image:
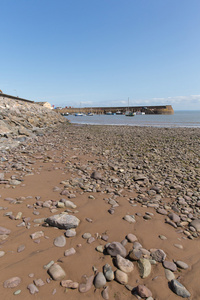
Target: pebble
{"x":56,"y":272}
{"x":12,"y":282}
{"x":129,"y":218}
{"x":86,"y":235}
{"x":105,"y":294}
{"x":143,"y":291}
{"x":17,"y":292}
{"x":37,"y":235}
{"x":116,"y":248}
{"x":20,"y":248}
{"x":179,"y":289}
{"x":69,"y":252}
{"x":131,"y":238}
{"x":181,"y":264}
{"x":169,"y":275}
{"x":108,"y":272}
{"x":169,"y":265}
{"x":59,"y":241}
{"x":99,"y":280}
{"x":70,"y":233}
{"x":32,"y":289}
{"x":121,"y":277}
{"x":2,"y":253}
{"x":123,"y":264}
{"x":144,"y":267}
{"x":69,"y":284}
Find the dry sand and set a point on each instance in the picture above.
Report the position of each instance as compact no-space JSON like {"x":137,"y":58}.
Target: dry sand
{"x":53,"y":162}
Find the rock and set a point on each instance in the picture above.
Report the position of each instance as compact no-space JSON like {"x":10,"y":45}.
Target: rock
{"x":131,"y":238}
{"x":4,"y":231}
{"x":69,"y":284}
{"x":179,"y":289}
{"x":70,"y":233}
{"x":47,"y":266}
{"x":116,"y":248}
{"x":174,"y":217}
{"x":105,"y":294}
{"x":169,"y":265}
{"x":135,"y":254}
{"x":144,"y":267}
{"x":108,"y":272}
{"x":69,"y":252}
{"x":123,"y":264}
{"x":181,"y":264}
{"x":63,"y":221}
{"x":2,"y":253}
{"x":86,"y":235}
{"x":121,"y":277}
{"x":196,"y":224}
{"x":143,"y":291}
{"x":69,"y":204}
{"x":12,"y":282}
{"x":169,"y":275}
{"x":32,"y":289}
{"x":20,"y":248}
{"x":37,"y":235}
{"x":56,"y":272}
{"x":85,"y":287}
{"x":39,"y":282}
{"x":60,"y":241}
{"x":100,"y":248}
{"x":17,"y":292}
{"x":158,"y":255}
{"x":96,"y":175}
{"x":129,"y":218}
{"x":99,"y":280}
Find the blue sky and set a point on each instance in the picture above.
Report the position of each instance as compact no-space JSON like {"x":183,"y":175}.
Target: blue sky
{"x":100,"y":52}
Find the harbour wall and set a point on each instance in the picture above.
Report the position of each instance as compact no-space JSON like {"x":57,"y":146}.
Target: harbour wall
{"x":162,"y":110}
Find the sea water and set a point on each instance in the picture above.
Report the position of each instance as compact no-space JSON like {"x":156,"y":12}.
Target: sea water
{"x":189,"y":119}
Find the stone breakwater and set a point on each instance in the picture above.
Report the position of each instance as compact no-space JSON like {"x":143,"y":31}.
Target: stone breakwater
{"x":20,"y":120}
{"x":109,"y":212}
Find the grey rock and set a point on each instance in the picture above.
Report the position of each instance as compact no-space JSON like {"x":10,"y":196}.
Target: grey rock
{"x":105,"y":293}
{"x":63,"y":221}
{"x":116,"y":248}
{"x":169,"y":275}
{"x":69,"y":252}
{"x":70,"y":233}
{"x":60,"y":241}
{"x":143,"y":291}
{"x":108,"y":272}
{"x":181,"y":264}
{"x":158,"y":255}
{"x":169,"y":265}
{"x":99,"y":280}
{"x":179,"y":289}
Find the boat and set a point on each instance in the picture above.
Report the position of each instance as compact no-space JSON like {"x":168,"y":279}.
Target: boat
{"x":139,"y":113}
{"x":90,"y":114}
{"x":79,"y":114}
{"x":129,"y":113}
{"x":118,"y":112}
{"x":109,"y":113}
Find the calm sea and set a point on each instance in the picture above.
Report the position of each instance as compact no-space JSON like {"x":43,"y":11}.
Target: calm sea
{"x":179,"y":119}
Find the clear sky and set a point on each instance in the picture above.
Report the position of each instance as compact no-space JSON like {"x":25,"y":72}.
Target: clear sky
{"x":100,"y":52}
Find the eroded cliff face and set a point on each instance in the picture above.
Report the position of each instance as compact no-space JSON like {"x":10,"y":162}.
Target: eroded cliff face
{"x":20,"y":120}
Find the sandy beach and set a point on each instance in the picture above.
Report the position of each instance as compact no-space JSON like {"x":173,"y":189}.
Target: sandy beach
{"x":132,"y":185}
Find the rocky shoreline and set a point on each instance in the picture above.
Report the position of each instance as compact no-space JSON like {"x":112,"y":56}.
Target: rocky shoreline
{"x":104,"y":212}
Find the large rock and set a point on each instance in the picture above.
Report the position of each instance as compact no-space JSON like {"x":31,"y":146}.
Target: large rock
{"x":121,"y":277}
{"x":116,"y":248}
{"x":63,"y":221}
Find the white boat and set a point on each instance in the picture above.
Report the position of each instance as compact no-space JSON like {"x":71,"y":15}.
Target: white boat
{"x":90,"y":114}
{"x":129,"y":113}
{"x":139,"y":113}
{"x":79,"y":114}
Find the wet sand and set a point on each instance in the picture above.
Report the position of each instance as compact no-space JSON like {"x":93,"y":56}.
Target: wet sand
{"x":47,"y":165}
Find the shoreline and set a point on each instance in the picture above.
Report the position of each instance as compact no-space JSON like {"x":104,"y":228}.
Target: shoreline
{"x":149,"y":173}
